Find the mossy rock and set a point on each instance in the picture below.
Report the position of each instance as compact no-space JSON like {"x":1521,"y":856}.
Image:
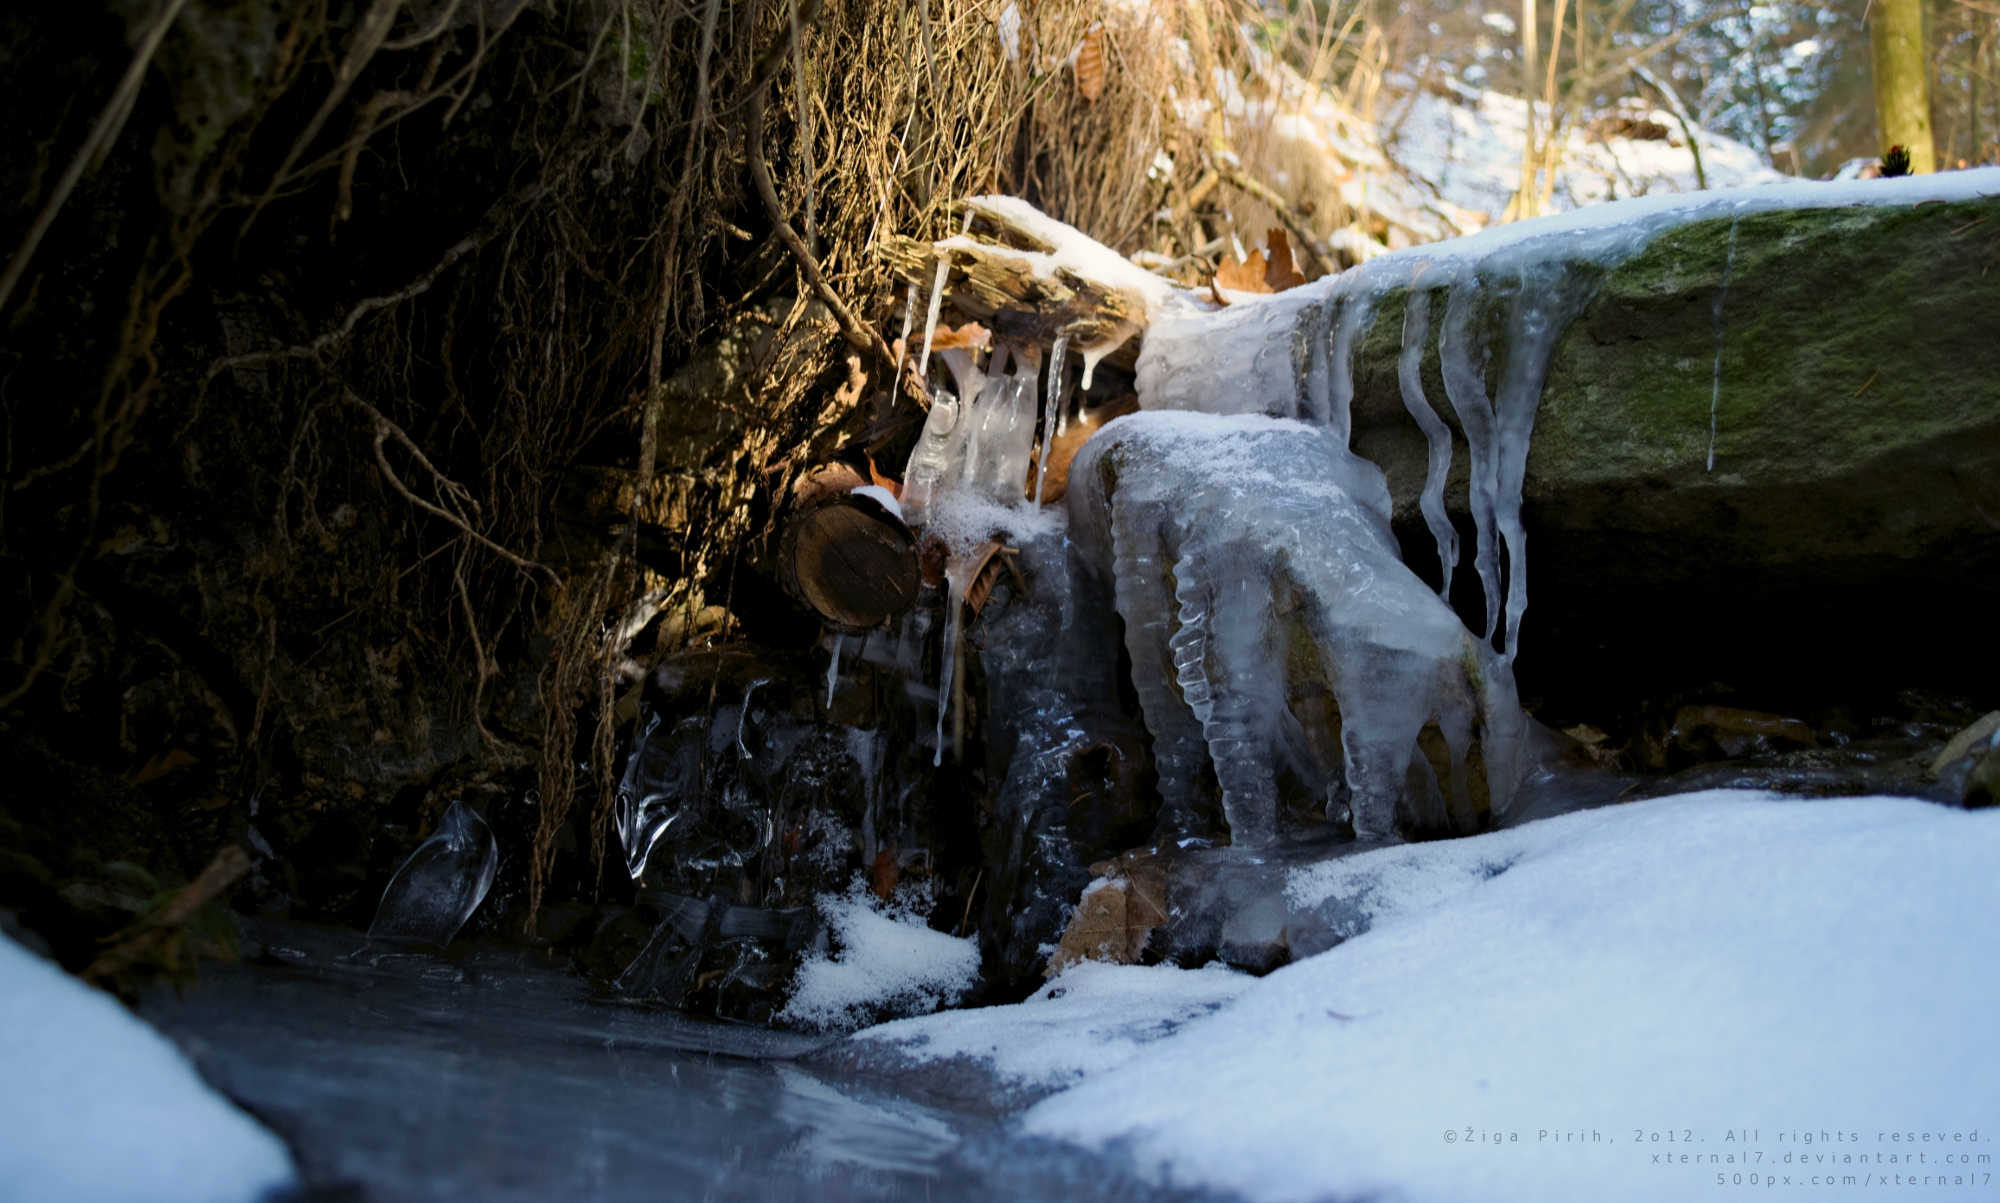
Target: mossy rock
{"x":1852,"y":516}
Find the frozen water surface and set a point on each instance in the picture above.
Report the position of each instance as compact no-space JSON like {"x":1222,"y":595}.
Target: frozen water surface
{"x":490,"y":1077}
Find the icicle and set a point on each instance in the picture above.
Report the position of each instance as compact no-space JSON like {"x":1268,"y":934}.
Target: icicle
{"x":1357,"y":311}
{"x":1715,"y":399}
{"x":931,"y":317}
{"x":909,"y":314}
{"x":954,"y":592}
{"x":1090,"y":357}
{"x":1550,"y":295}
{"x":833,"y":667}
{"x":1051,"y":413}
{"x":743,"y":749}
{"x":1409,"y":372}
{"x":1461,"y":356}
{"x":865,"y":748}
{"x":937,"y":300}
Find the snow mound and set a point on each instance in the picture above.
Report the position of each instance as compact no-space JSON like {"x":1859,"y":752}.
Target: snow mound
{"x":96,"y":1106}
{"x":1799,"y":988}
{"x":1093,"y":1018}
{"x":889,"y":961}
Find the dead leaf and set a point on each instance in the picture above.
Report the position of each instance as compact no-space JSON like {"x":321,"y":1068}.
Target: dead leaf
{"x":990,"y":560}
{"x":890,"y":483}
{"x":882,"y":879}
{"x":1070,"y":441}
{"x":1279,"y":270}
{"x":1115,"y":917}
{"x":971,"y":335}
{"x":1261,"y":272}
{"x":1090,"y":64}
{"x":824,"y":481}
{"x":166,"y":762}
{"x":1247,"y":276}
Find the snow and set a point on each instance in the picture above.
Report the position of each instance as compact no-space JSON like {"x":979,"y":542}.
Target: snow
{"x":1718,"y":962}
{"x":1094,"y":1018}
{"x":1468,"y":148}
{"x":1073,"y":250}
{"x":888,"y":960}
{"x":96,"y":1106}
{"x":965,"y":520}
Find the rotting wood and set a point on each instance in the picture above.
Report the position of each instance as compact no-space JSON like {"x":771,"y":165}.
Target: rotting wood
{"x":1005,"y":292}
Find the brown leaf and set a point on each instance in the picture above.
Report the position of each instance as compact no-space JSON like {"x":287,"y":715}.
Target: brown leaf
{"x":1114,"y":919}
{"x":1280,"y":272}
{"x":882,"y":879}
{"x":166,"y":762}
{"x":1090,"y":64}
{"x":1247,"y":276}
{"x":991,"y":560}
{"x":890,"y":483}
{"x":971,"y":334}
{"x":824,"y":480}
{"x":1070,"y":441}
{"x":1271,"y":271}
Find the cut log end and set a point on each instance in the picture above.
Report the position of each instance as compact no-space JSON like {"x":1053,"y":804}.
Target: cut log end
{"x":851,"y":560}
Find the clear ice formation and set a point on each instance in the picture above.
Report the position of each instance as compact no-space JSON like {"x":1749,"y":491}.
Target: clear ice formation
{"x":1510,"y":295}
{"x":1242,"y":547}
{"x":442,"y":883}
{"x":1001,"y":427}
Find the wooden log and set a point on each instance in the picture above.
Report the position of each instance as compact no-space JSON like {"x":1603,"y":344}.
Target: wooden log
{"x":851,"y":560}
{"x":1004,"y":292}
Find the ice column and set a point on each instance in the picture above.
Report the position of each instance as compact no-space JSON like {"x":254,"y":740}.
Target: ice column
{"x":1462,"y":358}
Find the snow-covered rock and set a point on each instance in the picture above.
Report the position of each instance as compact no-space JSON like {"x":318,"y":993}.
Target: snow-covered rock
{"x":96,"y":1107}
{"x":888,"y":960}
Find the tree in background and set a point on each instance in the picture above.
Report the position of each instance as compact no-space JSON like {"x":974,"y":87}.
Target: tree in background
{"x":1902,"y":81}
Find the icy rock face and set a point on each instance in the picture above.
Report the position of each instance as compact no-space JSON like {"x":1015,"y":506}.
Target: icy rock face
{"x":442,"y":883}
{"x":1244,"y":550}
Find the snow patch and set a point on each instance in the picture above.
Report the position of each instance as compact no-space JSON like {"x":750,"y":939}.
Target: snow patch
{"x":95,"y":1105}
{"x":888,"y":960}
{"x":1095,"y":1017}
{"x":1716,"y":958}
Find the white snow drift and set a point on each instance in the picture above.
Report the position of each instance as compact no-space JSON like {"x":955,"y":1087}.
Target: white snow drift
{"x":96,"y":1107}
{"x":1619,"y":1004}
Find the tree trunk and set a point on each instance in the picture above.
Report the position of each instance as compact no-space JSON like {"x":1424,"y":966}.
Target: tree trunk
{"x":1902,"y":81}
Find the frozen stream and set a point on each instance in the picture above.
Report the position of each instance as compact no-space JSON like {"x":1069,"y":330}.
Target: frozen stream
{"x":490,"y":1077}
